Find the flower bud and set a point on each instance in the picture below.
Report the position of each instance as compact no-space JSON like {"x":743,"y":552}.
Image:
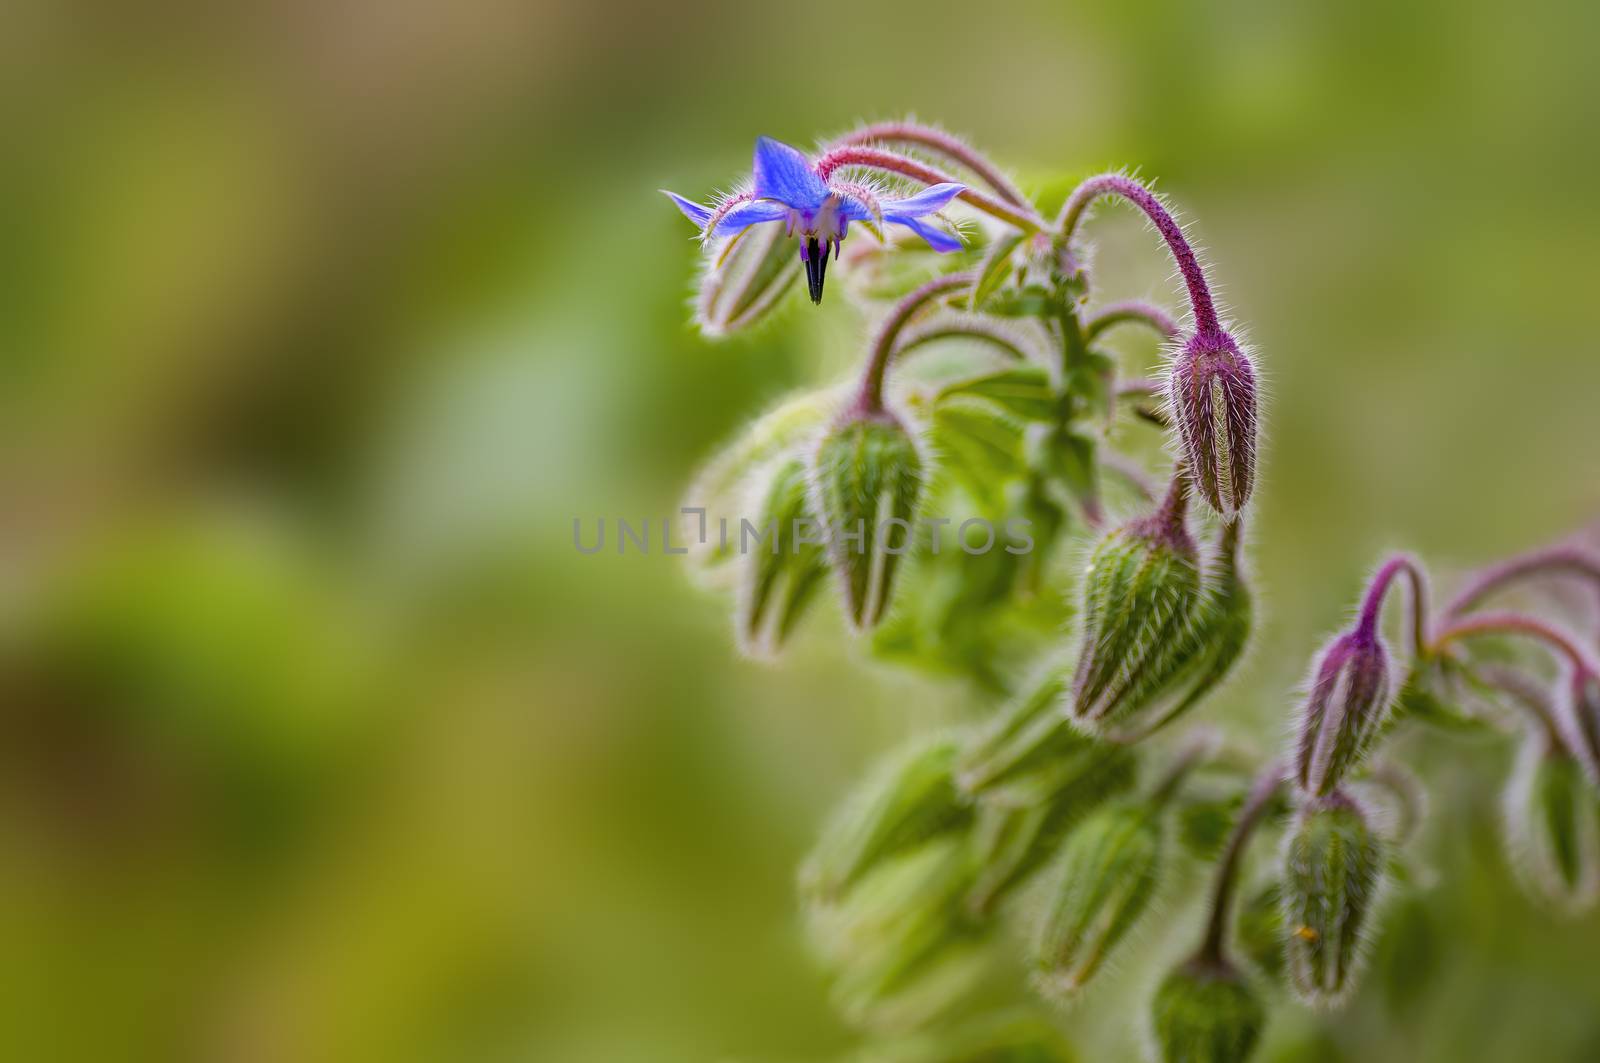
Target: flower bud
{"x":1212,"y":390}
{"x":1553,"y":827}
{"x":745,"y":277}
{"x":720,"y":483}
{"x":1349,"y":696}
{"x":1142,"y":599}
{"x":898,"y":943}
{"x":1025,"y":734}
{"x":1020,"y":824}
{"x":784,"y":567}
{"x":908,"y":799}
{"x":866,"y":480}
{"x":1333,"y":872}
{"x":1205,"y":1012}
{"x":1260,"y":930}
{"x":1105,"y":878}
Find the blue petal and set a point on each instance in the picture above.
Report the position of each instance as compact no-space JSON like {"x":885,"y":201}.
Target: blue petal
{"x":747,"y":214}
{"x":930,"y":199}
{"x":691,"y":210}
{"x":784,"y":174}
{"x":937,"y":238}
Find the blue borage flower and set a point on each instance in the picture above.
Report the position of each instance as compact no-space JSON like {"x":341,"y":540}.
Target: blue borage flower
{"x":817,"y":212}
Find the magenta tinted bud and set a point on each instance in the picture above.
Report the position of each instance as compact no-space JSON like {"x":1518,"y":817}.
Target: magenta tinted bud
{"x":1214,"y":404}
{"x":1350,"y":693}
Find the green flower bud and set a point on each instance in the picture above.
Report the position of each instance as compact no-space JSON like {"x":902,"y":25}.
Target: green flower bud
{"x":784,"y":567}
{"x":867,"y":477}
{"x":744,"y":279}
{"x":1260,"y":930}
{"x":1105,"y":878}
{"x":1028,"y":733}
{"x":909,"y":798}
{"x":1205,"y":1012}
{"x":718,"y":489}
{"x":1020,"y":826}
{"x":1142,"y":601}
{"x":899,"y":944}
{"x":1553,"y":827}
{"x":1332,"y":876}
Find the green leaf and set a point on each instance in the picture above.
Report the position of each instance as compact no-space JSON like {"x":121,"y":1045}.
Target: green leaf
{"x":981,"y":446}
{"x":1024,"y":390}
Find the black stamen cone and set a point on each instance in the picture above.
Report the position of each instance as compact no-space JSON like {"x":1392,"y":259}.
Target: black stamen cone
{"x":816,"y":259}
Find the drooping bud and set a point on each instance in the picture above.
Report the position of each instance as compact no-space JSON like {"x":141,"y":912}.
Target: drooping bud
{"x":909,"y":798}
{"x":1212,"y":391}
{"x":1349,"y":696}
{"x":1553,"y":827}
{"x":1142,"y":597}
{"x":784,"y":566}
{"x":1205,"y":1012}
{"x":1333,"y":872}
{"x":1105,"y":878}
{"x":744,"y":279}
{"x":1261,"y":931}
{"x":1027,"y":733}
{"x":866,"y":480}
{"x":1021,"y":823}
{"x":717,"y":490}
{"x":898,"y":943}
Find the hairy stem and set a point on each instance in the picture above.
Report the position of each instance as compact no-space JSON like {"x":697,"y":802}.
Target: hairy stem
{"x":871,"y":394}
{"x":953,"y":148}
{"x":1515,"y":624}
{"x":891,"y":162}
{"x":1133,"y":311}
{"x":1372,"y":605}
{"x":1194,"y":278}
{"x":1226,"y":884}
{"x":971,"y":326}
{"x":1556,"y":559}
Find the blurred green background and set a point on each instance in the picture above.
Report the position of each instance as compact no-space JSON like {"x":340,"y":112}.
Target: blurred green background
{"x":323,"y":319}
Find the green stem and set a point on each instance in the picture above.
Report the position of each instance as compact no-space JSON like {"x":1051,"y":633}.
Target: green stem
{"x":1226,"y":885}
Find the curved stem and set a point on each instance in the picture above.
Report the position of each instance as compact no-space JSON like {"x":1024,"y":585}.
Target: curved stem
{"x":1538,"y":563}
{"x":1262,"y":792}
{"x":970,"y":326}
{"x":1133,"y":311}
{"x":890,"y":162}
{"x":1200,"y":301}
{"x":953,"y":148}
{"x":1515,"y":624}
{"x":1372,"y":605}
{"x":871,"y":394}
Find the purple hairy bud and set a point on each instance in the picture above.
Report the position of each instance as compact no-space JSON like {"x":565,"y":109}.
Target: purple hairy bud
{"x":1349,"y":696}
{"x":1212,"y":391}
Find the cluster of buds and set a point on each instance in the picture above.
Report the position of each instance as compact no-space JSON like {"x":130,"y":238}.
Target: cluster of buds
{"x":1037,"y":816}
